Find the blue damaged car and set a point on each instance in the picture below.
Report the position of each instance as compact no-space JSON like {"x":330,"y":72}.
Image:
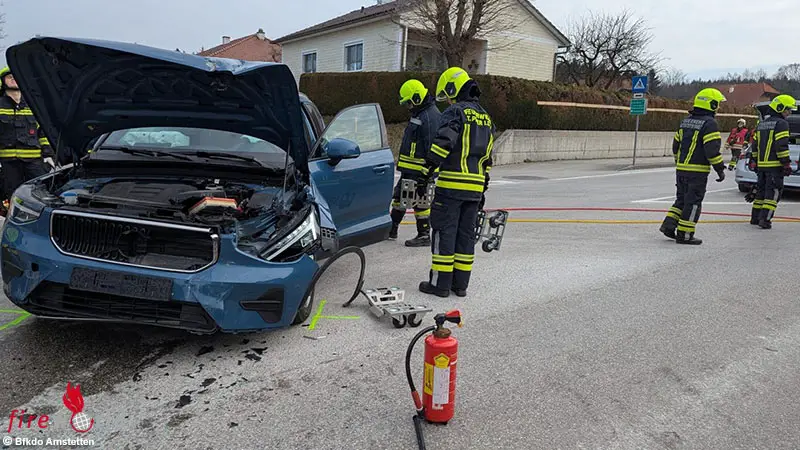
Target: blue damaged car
{"x":195,"y":193}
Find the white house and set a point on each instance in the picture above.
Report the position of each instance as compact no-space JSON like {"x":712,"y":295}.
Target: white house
{"x":373,"y":39}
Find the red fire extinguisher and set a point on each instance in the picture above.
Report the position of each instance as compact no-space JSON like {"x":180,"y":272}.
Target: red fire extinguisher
{"x":437,"y":404}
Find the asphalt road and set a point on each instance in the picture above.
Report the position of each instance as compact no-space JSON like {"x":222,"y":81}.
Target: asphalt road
{"x":588,"y":329}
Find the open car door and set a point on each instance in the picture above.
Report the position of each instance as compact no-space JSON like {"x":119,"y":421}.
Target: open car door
{"x":352,"y":167}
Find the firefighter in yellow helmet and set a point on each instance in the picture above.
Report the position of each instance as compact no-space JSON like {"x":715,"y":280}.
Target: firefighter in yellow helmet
{"x":462,"y":151}
{"x":697,"y":149}
{"x":23,"y":145}
{"x":771,"y":148}
{"x":417,"y":140}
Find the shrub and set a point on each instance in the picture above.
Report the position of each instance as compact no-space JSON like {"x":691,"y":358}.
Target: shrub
{"x":512,"y":102}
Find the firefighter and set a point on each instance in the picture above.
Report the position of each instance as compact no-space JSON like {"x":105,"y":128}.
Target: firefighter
{"x":696,"y":148}
{"x":411,"y":162}
{"x":462,"y":151}
{"x":736,"y":141}
{"x":24,"y":149}
{"x":771,"y":151}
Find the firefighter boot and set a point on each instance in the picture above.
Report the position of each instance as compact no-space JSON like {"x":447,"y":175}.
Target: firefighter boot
{"x":393,"y":231}
{"x":754,"y":216}
{"x":423,"y":238}
{"x":427,"y":288}
{"x":765,"y":224}
{"x":668,"y":232}
{"x":681,"y":238}
{"x":459,"y":292}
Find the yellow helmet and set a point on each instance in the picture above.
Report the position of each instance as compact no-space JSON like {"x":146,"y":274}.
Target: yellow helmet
{"x":450,"y":83}
{"x":709,"y":98}
{"x":783,"y":102}
{"x":3,"y":72}
{"x":413,"y":91}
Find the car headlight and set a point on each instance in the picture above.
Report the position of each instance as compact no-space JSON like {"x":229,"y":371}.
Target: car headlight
{"x":298,"y":241}
{"x":24,"y":208}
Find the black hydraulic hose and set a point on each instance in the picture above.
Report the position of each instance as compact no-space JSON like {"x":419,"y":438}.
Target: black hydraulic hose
{"x":408,"y":359}
{"x":331,"y":260}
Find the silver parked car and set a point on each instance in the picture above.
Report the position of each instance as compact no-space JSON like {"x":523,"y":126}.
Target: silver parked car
{"x":746,"y":178}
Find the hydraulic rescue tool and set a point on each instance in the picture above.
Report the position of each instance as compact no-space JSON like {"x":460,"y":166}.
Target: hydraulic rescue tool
{"x":491,"y":229}
{"x":390,"y":302}
{"x":437,"y":404}
{"x":409,"y":198}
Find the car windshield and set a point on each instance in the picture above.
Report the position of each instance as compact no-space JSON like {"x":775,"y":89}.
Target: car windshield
{"x":190,"y":140}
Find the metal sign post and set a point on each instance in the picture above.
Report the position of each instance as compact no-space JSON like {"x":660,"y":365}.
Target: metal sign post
{"x":638,"y":107}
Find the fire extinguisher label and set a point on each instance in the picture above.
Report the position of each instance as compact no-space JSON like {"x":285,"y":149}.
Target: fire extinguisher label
{"x":428,"y":385}
{"x":441,"y":380}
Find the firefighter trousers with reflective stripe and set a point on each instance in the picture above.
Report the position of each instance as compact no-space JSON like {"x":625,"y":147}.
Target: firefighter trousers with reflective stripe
{"x":17,"y":171}
{"x":452,"y":241}
{"x":398,"y":212}
{"x":768,"y":194}
{"x":689,"y":195}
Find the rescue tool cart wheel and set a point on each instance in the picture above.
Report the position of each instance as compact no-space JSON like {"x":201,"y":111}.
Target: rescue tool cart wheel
{"x":399,"y":323}
{"x":389,"y":303}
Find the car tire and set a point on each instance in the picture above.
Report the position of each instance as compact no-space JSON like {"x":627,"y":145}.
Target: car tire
{"x":744,"y":187}
{"x":304,"y":311}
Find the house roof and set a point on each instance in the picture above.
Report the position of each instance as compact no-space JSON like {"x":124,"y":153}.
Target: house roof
{"x":746,"y":93}
{"x":249,"y":48}
{"x":389,"y":8}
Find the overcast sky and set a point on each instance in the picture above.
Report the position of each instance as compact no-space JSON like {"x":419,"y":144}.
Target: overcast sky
{"x":700,"y":37}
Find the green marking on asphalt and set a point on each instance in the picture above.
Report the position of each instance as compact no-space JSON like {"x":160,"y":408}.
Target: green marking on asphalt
{"x":319,"y":315}
{"x":22,"y":316}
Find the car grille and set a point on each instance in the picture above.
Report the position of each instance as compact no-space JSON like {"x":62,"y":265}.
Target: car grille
{"x":134,"y":242}
{"x":58,"y":300}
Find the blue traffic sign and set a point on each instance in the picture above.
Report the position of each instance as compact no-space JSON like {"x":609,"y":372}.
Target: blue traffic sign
{"x":639,"y":84}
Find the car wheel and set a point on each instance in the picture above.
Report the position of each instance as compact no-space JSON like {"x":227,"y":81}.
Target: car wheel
{"x":304,"y":311}
{"x":744,"y":187}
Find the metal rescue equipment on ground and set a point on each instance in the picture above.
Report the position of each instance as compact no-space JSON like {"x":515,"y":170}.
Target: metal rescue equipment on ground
{"x":409,"y":198}
{"x":390,"y":302}
{"x":437,"y":404}
{"x":491,"y":229}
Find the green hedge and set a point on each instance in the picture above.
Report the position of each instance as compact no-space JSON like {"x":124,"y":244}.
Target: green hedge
{"x":512,"y":102}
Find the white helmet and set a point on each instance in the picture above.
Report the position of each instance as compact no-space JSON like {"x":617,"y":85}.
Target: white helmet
{"x":741,"y":122}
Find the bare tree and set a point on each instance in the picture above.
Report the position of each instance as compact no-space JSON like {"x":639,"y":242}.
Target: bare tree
{"x":789,"y":72}
{"x":454,"y":24}
{"x":673,"y":77}
{"x":606,"y":48}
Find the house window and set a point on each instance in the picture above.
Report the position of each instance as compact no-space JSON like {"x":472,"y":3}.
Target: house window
{"x":310,"y":62}
{"x":423,"y":58}
{"x":353,"y":57}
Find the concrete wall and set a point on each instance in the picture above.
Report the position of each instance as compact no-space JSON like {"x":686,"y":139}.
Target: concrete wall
{"x":519,"y":146}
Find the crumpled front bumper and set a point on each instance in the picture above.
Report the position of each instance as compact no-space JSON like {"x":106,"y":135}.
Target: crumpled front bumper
{"x":238,"y":293}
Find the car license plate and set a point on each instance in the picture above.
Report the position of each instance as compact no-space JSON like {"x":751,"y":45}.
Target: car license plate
{"x":120,"y":283}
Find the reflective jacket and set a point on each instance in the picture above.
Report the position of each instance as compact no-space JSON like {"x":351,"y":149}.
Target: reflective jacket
{"x":697,"y":143}
{"x":417,"y":137}
{"x":738,"y":136}
{"x":772,"y":139}
{"x":462,"y":149}
{"x":20,"y":134}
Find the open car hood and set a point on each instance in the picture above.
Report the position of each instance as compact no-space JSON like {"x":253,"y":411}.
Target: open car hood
{"x":82,"y":88}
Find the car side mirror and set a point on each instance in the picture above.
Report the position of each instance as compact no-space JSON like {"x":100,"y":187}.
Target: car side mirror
{"x":338,"y":149}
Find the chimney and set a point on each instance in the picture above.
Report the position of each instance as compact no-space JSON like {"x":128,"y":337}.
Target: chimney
{"x":260,"y":34}
{"x":226,"y":39}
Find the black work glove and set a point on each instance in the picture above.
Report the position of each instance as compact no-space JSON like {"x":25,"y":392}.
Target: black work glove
{"x":422,"y":184}
{"x":750,"y":197}
{"x":787,"y":169}
{"x":721,"y":174}
{"x":482,"y":203}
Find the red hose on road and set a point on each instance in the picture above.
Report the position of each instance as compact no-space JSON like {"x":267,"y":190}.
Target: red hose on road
{"x":411,"y":211}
